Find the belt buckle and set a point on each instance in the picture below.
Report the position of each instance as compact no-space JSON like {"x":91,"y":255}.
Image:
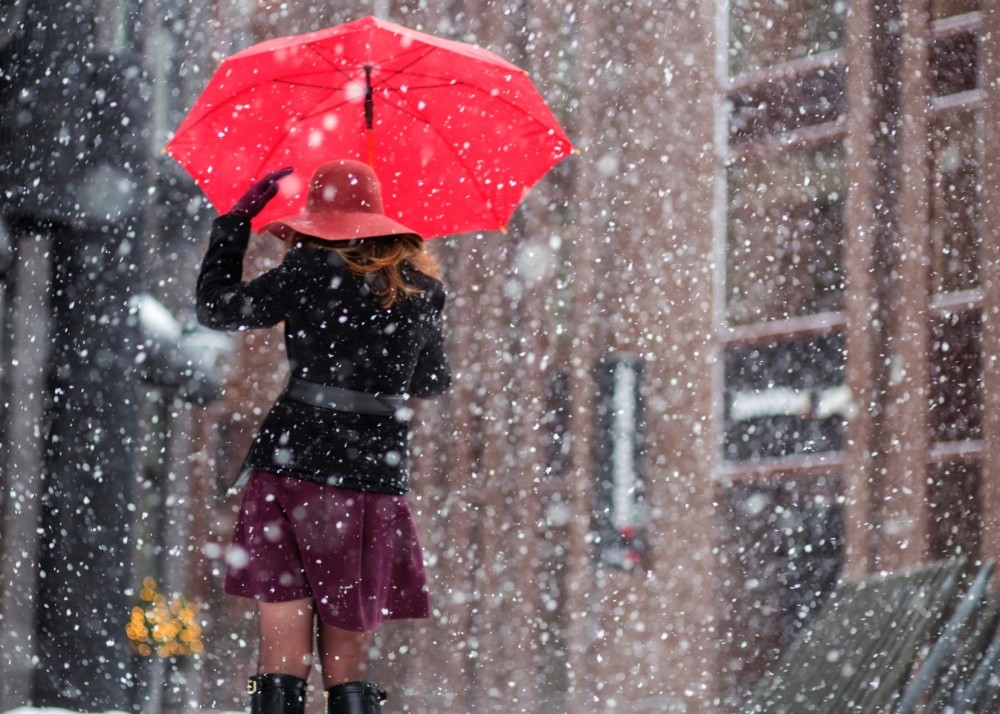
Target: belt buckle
{"x":253,"y":686}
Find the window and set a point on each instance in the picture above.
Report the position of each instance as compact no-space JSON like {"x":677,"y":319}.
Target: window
{"x":955,"y":203}
{"x":783,"y":291}
{"x":784,"y":398}
{"x":556,"y":425}
{"x":954,"y":57}
{"x":619,"y":510}
{"x":956,"y":376}
{"x":780,"y":318}
{"x":955,"y":510}
{"x":781,"y":321}
{"x":785,"y":103}
{"x":955,"y":354}
{"x":949,"y":8}
{"x":784,"y":235}
{"x":781,"y":556}
{"x":765,"y":33}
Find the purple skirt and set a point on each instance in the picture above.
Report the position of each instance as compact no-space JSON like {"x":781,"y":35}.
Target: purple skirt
{"x":357,"y":554}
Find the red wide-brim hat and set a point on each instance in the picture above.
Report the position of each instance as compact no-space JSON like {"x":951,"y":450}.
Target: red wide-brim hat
{"x":344,"y":203}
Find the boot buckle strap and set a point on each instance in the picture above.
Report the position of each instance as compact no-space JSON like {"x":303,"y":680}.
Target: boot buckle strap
{"x":364,"y":689}
{"x":253,"y":686}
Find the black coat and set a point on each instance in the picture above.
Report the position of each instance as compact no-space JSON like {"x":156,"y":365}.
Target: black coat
{"x":338,"y":334}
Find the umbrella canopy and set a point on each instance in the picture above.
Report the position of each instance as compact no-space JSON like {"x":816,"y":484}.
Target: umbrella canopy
{"x":456,"y":134}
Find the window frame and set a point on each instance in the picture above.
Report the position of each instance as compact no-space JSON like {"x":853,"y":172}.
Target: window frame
{"x":944,"y":304}
{"x":726,"y":335}
{"x":799,"y":140}
{"x":797,"y":470}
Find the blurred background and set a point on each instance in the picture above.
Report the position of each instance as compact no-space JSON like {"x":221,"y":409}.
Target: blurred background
{"x":738,"y":347}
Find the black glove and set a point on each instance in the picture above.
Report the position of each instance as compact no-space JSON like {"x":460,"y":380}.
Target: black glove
{"x":254,"y":200}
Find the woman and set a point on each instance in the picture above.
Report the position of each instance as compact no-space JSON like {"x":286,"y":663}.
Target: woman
{"x":324,"y":527}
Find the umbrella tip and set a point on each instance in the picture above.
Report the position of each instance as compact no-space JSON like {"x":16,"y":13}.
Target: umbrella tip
{"x":503,"y":229}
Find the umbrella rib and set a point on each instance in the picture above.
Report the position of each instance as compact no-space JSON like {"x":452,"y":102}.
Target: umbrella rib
{"x":425,"y":48}
{"x":446,"y":82}
{"x":440,"y":85}
{"x":302,"y":118}
{"x":400,"y":70}
{"x":323,"y":110}
{"x":452,"y":82}
{"x":221,"y":105}
{"x":313,"y":47}
{"x":277,"y":144}
{"x":269,"y":154}
{"x":295,"y":83}
{"x":227,"y":104}
{"x":545,"y":125}
{"x":253,"y":87}
{"x":424,"y":75}
{"x":472,"y":176}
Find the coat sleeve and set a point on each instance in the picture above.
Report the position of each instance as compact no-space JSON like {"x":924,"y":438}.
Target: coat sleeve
{"x":432,"y":375}
{"x":224,"y":302}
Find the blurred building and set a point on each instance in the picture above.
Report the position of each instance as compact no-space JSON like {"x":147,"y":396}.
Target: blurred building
{"x":102,"y":366}
{"x":737,"y":348}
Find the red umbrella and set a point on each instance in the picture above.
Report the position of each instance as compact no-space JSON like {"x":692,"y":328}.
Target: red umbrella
{"x":456,"y":134}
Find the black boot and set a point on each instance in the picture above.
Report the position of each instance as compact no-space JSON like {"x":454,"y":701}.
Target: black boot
{"x":277,"y":694}
{"x":354,"y":698}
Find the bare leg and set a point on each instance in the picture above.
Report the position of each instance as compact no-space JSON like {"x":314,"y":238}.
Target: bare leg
{"x":343,"y":654}
{"x":286,"y":637}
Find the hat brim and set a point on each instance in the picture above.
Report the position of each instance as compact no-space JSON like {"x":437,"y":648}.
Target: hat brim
{"x":338,"y":226}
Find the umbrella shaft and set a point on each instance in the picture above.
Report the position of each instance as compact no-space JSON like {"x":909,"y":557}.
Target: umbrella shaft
{"x":369,"y":98}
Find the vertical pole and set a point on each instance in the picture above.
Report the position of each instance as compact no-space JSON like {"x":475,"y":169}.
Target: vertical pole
{"x":583,"y":355}
{"x":989,"y":262}
{"x":90,"y":473}
{"x":887,"y":448}
{"x":89,"y":191}
{"x":859,"y":295}
{"x":22,"y":471}
{"x":370,"y":115}
{"x":905,"y":521}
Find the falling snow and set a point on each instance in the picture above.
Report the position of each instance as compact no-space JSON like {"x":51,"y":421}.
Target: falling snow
{"x":723,"y":399}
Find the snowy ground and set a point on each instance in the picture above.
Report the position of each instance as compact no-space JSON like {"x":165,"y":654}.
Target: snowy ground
{"x":48,"y":710}
{"x":55,"y":710}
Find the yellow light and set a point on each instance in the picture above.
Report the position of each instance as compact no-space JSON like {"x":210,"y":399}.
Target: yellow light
{"x":169,"y":628}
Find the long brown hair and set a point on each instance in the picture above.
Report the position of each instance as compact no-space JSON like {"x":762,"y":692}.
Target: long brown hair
{"x":382,"y":257}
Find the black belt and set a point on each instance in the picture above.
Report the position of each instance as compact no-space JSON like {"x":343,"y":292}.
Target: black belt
{"x":344,"y":400}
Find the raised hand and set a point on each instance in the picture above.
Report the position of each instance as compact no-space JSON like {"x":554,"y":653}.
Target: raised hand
{"x":257,"y":196}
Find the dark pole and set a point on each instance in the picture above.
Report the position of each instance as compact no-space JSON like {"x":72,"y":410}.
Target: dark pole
{"x":369,"y":115}
{"x":91,"y":460}
{"x":369,"y":99}
{"x":90,"y":472}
